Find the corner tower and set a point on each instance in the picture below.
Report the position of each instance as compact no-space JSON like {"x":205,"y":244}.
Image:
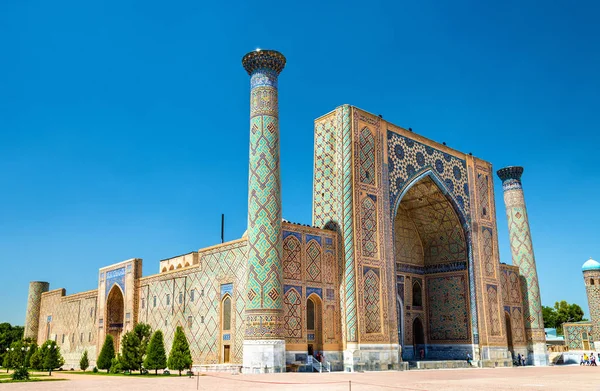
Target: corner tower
{"x":34,"y":299}
{"x":264,"y":346}
{"x":591,"y":277}
{"x":523,"y":257}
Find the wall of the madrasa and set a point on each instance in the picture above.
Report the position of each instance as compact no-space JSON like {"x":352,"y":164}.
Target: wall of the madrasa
{"x":71,"y":322}
{"x":178,"y":262}
{"x":193,"y":298}
{"x":310,"y":272}
{"x":512,"y":304}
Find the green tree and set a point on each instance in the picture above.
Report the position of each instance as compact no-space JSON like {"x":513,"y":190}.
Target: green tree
{"x":84,"y":363}
{"x":144,"y":332}
{"x":32,"y":349}
{"x":36,"y":360}
{"x":156,"y":357}
{"x":180,"y":357}
{"x":131,"y":355}
{"x":562,"y":312}
{"x":106,"y":354}
{"x":15,"y":355}
{"x":549,"y":315}
{"x":51,"y":357}
{"x":8,"y":335}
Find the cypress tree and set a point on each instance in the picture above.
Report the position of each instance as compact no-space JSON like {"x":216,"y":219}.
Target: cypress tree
{"x":156,"y":357}
{"x":106,"y":354}
{"x":180,"y":357}
{"x":84,"y":363}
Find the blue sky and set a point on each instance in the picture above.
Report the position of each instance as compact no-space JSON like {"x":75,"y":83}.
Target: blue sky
{"x":124,"y":125}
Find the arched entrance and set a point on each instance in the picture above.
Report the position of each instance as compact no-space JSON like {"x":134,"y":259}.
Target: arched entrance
{"x":314,"y":324}
{"x":115,"y":313}
{"x":431,"y":256}
{"x":509,"y":340}
{"x":418,"y":338}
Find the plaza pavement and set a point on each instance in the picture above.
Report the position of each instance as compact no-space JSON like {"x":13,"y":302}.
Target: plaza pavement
{"x":528,"y":378}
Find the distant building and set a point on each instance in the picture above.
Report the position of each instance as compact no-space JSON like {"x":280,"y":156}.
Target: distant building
{"x":585,"y":335}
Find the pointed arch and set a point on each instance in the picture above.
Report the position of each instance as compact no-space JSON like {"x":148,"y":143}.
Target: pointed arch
{"x":226,"y":313}
{"x":171,"y":267}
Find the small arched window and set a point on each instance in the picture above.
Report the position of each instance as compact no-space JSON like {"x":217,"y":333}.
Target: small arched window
{"x":591,"y":281}
{"x":227,"y":314}
{"x":310,"y":314}
{"x":417,"y":296}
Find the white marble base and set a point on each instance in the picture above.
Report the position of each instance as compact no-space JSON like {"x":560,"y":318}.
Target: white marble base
{"x":539,"y":355}
{"x":264,"y":356}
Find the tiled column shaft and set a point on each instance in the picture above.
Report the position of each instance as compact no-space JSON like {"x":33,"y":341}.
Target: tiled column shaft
{"x":523,"y":257}
{"x":264,"y":290}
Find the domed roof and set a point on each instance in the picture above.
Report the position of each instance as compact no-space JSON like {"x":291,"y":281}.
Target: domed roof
{"x":590,"y":264}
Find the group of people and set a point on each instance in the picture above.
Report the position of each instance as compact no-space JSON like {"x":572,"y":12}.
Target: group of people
{"x":520,"y":361}
{"x":588,"y":360}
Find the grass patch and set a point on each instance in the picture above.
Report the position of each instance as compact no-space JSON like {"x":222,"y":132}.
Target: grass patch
{"x":122,"y":374}
{"x":33,"y":379}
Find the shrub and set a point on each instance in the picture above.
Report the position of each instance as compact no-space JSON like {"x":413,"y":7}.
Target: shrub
{"x":20,"y":374}
{"x":115,"y":366}
{"x":84,"y":363}
{"x":95,"y":370}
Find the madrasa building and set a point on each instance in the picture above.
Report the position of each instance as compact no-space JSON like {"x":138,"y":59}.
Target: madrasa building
{"x":401,"y":261}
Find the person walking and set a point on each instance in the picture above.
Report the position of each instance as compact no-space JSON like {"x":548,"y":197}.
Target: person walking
{"x":469,"y":358}
{"x":519,"y":359}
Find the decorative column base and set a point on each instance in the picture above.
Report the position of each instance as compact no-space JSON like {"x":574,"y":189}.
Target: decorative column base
{"x":264,"y":356}
{"x":539,"y":355}
{"x":372,"y":357}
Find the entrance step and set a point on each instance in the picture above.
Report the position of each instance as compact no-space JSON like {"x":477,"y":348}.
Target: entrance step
{"x":441,"y":364}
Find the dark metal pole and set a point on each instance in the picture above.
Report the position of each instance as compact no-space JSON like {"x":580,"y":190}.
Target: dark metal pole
{"x":222,"y":227}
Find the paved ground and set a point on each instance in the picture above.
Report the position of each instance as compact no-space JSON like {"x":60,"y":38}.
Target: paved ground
{"x":529,"y":378}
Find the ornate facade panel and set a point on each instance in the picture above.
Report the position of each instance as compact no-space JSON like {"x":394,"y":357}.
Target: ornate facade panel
{"x":483,"y":195}
{"x":407,"y":159}
{"x":518,"y":328}
{"x":493,"y":317}
{"x":326,"y":192}
{"x":367,"y":157}
{"x":448,"y":308}
{"x":487,"y":253}
{"x":372,"y":300}
{"x":292,"y":268}
{"x":368,"y":218}
{"x":292,"y":309}
{"x":313,"y":259}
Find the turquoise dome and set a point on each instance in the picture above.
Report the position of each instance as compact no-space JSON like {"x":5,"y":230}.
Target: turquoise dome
{"x":590,"y":264}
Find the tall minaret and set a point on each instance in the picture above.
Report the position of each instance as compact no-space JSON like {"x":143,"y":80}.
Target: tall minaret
{"x":522,"y":256}
{"x":591,"y":277}
{"x":264,"y":346}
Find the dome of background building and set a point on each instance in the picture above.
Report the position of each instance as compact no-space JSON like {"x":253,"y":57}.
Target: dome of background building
{"x":590,"y":264}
